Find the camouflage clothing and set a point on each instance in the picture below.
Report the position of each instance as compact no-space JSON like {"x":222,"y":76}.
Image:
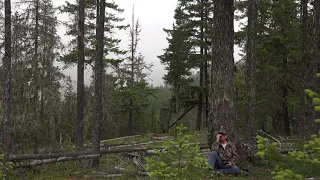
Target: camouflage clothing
{"x":226,"y":155}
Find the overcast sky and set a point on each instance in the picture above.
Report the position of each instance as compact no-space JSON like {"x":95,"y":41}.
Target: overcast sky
{"x":154,"y":15}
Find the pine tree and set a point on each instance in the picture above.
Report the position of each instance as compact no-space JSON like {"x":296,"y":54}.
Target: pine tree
{"x":23,"y":64}
{"x":112,"y":24}
{"x":314,"y":63}
{"x":68,"y":105}
{"x":80,"y":82}
{"x":135,"y":70}
{"x":200,"y":13}
{"x":98,"y":69}
{"x":35,"y":73}
{"x":301,"y":117}
{"x":222,"y":87}
{"x":196,"y":15}
{"x":249,"y":116}
{"x":6,"y":97}
{"x":278,"y":61}
{"x":176,"y":62}
{"x":111,"y":47}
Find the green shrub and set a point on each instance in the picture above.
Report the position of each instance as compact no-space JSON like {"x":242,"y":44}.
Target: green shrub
{"x":295,"y":164}
{"x":178,"y":160}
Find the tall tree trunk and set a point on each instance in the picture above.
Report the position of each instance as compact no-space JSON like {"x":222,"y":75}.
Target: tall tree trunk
{"x":53,"y":136}
{"x":285,"y":92}
{"x":250,"y":96}
{"x":118,"y":124}
{"x":6,"y":98}
{"x":200,"y":100}
{"x":80,"y":83}
{"x":133,"y":50}
{"x":222,"y":86}
{"x":206,"y":75}
{"x":36,"y":77}
{"x":45,"y":68}
{"x":99,"y":65}
{"x":285,"y":111}
{"x":301,"y":118}
{"x":314,"y":62}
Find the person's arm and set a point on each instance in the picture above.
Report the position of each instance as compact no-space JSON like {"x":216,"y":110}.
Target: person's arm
{"x":235,"y":157}
{"x":215,"y":145}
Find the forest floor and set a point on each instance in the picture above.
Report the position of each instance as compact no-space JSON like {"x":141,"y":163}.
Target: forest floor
{"x":118,"y":164}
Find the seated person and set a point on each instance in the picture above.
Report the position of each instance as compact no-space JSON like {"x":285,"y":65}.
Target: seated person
{"x":224,"y":155}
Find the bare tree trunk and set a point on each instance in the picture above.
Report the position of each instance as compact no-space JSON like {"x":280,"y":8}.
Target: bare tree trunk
{"x":314,"y":62}
{"x":99,"y":65}
{"x":206,"y":86}
{"x":249,"y":109}
{"x":222,"y":85}
{"x":118,"y":124}
{"x":301,"y":117}
{"x":130,"y":117}
{"x":53,"y":137}
{"x":133,"y":50}
{"x":285,"y":110}
{"x":36,"y":76}
{"x":80,"y":83}
{"x":206,"y":75}
{"x":6,"y":139}
{"x":200,"y":100}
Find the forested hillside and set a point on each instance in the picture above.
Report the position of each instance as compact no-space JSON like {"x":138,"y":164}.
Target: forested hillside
{"x":205,"y":87}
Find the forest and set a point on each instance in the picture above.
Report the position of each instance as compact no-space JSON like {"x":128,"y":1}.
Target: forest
{"x":266,"y":101}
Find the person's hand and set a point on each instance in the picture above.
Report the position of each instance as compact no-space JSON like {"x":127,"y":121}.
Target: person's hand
{"x":218,"y":137}
{"x":229,"y":164}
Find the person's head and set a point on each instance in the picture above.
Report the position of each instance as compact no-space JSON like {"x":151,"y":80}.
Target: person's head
{"x":223,"y":136}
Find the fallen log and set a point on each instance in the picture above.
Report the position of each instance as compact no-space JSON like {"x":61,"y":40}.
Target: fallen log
{"x":49,"y":161}
{"x":119,"y":145}
{"x":130,"y":145}
{"x":125,"y":137}
{"x":88,"y":152}
{"x":71,"y":154}
{"x":48,"y":156}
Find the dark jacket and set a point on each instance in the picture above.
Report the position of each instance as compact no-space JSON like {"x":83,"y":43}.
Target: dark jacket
{"x":226,"y":155}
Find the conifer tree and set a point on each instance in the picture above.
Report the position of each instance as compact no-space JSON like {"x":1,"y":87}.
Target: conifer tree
{"x":222,"y":87}
{"x":249,"y":116}
{"x":314,"y":63}
{"x":6,"y":97}
{"x":98,"y":69}
{"x":80,"y":82}
{"x":135,"y":70}
{"x":175,"y":59}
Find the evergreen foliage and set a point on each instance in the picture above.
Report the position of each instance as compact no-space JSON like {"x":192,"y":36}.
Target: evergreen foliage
{"x":295,"y":164}
{"x":178,"y":159}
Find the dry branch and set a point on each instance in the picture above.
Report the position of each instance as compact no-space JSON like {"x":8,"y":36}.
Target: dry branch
{"x":271,"y":137}
{"x":138,"y":164}
{"x":143,"y":173}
